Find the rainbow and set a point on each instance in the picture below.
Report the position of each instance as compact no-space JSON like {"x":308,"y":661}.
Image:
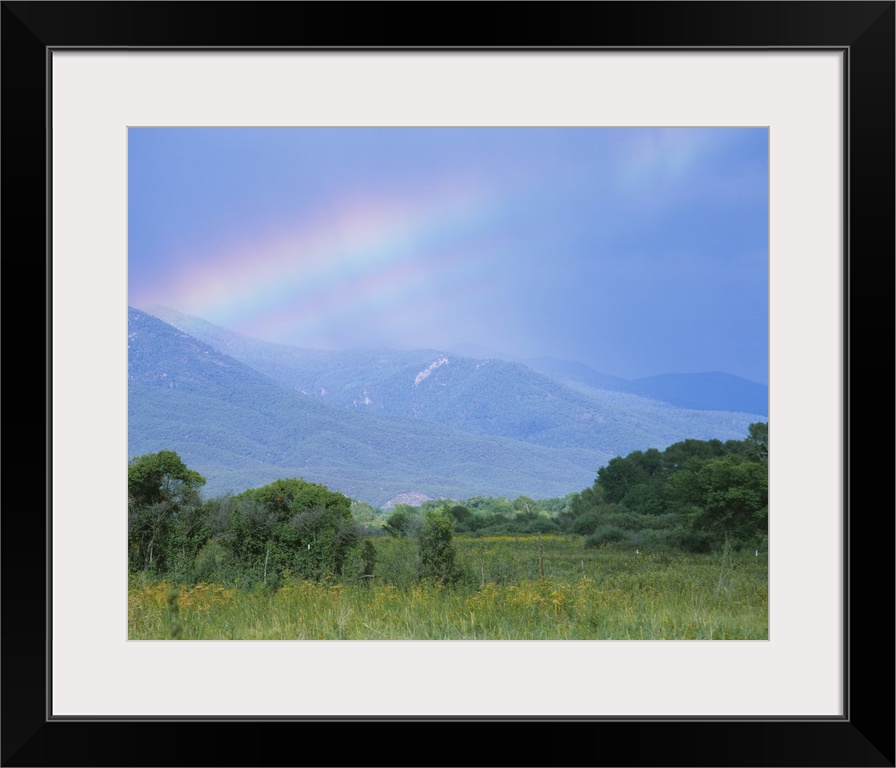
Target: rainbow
{"x":311,"y":283}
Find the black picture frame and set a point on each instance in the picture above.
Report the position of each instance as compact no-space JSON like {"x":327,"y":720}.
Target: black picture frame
{"x":864,"y":31}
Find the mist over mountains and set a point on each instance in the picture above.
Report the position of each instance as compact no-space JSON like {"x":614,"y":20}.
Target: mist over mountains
{"x":712,"y":391}
{"x":376,"y":423}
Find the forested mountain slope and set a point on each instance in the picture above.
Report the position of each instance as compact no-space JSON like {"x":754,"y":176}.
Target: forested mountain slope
{"x":241,"y":429}
{"x":563,"y":408}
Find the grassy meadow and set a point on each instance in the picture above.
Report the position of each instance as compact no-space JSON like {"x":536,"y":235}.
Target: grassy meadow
{"x":512,"y":588}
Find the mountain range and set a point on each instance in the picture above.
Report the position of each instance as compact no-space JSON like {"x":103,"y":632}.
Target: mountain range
{"x":377,"y":423}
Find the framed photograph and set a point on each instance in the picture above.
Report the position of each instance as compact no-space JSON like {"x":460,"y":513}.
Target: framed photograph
{"x":817,"y":78}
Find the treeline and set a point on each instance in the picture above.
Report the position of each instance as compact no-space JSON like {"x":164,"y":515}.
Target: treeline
{"x":288,"y":529}
{"x":695,"y":495}
{"x":485,"y":515}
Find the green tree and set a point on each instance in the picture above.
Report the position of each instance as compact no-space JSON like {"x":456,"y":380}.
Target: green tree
{"x":619,"y":476}
{"x":162,"y":476}
{"x":249,"y":534}
{"x":437,"y":551}
{"x":368,"y":561}
{"x":525,"y":508}
{"x":689,"y":452}
{"x":404,"y":521}
{"x":758,"y":440}
{"x":189,"y":532}
{"x":726,"y":498}
{"x":292,"y":524}
{"x":163,"y":498}
{"x":647,"y":498}
{"x":460,"y":514}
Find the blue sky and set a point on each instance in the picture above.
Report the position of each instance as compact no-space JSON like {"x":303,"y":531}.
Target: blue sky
{"x":635,"y":251}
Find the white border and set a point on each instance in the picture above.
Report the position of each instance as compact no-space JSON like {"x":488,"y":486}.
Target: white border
{"x":96,"y":95}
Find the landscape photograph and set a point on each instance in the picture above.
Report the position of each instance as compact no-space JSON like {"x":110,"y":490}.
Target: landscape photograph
{"x":397,"y":384}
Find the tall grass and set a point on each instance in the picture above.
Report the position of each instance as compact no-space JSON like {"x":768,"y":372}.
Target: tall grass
{"x":596,"y":594}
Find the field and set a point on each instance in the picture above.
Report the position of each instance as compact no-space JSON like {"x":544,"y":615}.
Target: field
{"x":512,"y":588}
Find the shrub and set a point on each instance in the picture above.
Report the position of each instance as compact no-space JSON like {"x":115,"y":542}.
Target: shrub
{"x":542,"y":525}
{"x":586,"y":524}
{"x":404,"y":521}
{"x":368,"y":558}
{"x":214,"y":564}
{"x":437,"y":551}
{"x":605,"y":534}
{"x":291,"y":524}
